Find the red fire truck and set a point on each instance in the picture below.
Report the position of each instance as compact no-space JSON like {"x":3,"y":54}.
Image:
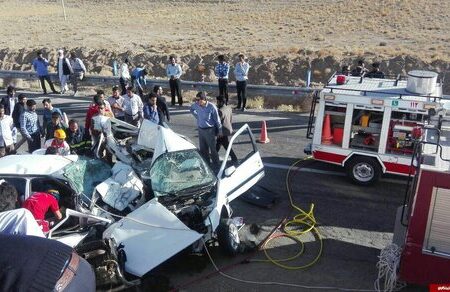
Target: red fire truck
{"x":422,"y":229}
{"x":370,"y":125}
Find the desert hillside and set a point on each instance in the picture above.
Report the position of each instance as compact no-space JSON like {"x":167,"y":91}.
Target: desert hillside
{"x":281,"y":38}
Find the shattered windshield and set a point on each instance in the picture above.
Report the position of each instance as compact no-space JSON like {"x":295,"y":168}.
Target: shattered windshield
{"x":173,"y":172}
{"x":85,"y":174}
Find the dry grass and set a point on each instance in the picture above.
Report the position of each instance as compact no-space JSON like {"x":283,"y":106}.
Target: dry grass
{"x":255,"y":102}
{"x":271,"y":28}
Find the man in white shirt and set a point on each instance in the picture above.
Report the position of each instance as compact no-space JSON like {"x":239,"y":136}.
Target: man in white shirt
{"x":133,"y":107}
{"x":7,"y":131}
{"x":64,"y":70}
{"x":116,"y":102}
{"x":174,"y":71}
{"x":241,"y":74}
{"x":124,"y":74}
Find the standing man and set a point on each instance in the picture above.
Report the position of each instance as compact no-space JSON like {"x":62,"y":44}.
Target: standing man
{"x":161,"y":101}
{"x":221,"y":71}
{"x":116,"y":102}
{"x":209,"y":127}
{"x":76,"y":138}
{"x":101,"y":125}
{"x":225,"y":114}
{"x":19,"y":109}
{"x":78,"y":71}
{"x":152,"y":112}
{"x":241,"y":74}
{"x":64,"y":70}
{"x":173,"y":71}
{"x":30,"y":127}
{"x":133,"y":107}
{"x":47,"y":115}
{"x":54,"y":125}
{"x":138,"y":78}
{"x":40,"y":65}
{"x":124,"y":73}
{"x":9,"y":101}
{"x":6,"y":133}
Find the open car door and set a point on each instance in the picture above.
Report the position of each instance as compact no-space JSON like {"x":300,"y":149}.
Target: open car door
{"x":237,"y":177}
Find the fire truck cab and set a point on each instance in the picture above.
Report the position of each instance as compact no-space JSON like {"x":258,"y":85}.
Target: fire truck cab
{"x":370,"y":125}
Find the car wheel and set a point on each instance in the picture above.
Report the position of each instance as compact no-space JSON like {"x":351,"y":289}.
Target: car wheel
{"x":228,"y":237}
{"x":363,"y":170}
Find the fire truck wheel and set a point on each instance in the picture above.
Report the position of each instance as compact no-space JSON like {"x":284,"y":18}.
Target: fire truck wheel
{"x":363,"y":170}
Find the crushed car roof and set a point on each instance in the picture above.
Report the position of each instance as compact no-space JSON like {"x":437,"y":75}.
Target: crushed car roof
{"x":34,"y":164}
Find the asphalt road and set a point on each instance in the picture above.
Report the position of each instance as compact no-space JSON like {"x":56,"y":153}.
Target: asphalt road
{"x":355,"y":222}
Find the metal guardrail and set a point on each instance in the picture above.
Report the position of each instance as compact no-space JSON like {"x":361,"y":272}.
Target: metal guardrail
{"x":254,"y":90}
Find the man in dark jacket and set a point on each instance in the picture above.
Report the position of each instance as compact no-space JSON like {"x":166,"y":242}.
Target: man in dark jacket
{"x":161,"y":101}
{"x":9,"y":101}
{"x":54,"y":125}
{"x":225,"y":114}
{"x":76,"y":138}
{"x":19,"y":109}
{"x":30,"y":263}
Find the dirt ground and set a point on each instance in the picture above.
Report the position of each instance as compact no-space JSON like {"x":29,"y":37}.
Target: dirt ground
{"x":281,"y":38}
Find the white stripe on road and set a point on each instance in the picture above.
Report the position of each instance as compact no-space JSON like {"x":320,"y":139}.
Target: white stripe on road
{"x":328,"y":172}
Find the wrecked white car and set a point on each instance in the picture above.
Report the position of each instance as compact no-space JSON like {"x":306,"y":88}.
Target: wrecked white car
{"x":159,"y":198}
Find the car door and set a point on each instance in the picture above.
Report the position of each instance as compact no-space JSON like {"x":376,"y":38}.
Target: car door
{"x":237,"y":177}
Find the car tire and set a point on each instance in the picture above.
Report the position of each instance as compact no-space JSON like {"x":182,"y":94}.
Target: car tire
{"x":363,"y":170}
{"x":228,"y":237}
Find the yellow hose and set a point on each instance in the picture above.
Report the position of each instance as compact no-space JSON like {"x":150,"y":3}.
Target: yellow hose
{"x":303,"y":220}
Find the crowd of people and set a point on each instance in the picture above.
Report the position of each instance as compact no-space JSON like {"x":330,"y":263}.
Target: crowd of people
{"x":128,"y":102}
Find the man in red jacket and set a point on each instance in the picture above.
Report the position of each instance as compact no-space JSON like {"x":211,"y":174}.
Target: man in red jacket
{"x":40,"y":203}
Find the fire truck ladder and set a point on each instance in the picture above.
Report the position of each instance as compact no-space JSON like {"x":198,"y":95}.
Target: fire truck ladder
{"x":312,"y":115}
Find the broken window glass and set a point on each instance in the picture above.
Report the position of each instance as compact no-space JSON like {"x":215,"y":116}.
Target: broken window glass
{"x":174,"y":172}
{"x":85,"y":174}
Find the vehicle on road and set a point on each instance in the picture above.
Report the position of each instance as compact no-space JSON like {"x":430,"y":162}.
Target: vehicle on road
{"x":158,"y":199}
{"x":422,"y":229}
{"x":370,"y":125}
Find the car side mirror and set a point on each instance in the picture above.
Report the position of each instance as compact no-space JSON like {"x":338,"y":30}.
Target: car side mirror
{"x":229,"y":171}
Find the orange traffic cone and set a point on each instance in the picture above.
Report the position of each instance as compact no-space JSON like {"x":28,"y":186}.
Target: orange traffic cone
{"x":263,"y":138}
{"x":327,"y":138}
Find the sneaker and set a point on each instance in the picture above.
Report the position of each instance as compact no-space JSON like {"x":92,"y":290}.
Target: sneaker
{"x":55,"y":92}
{"x":243,"y":109}
{"x":237,"y":108}
{"x":75,"y":93}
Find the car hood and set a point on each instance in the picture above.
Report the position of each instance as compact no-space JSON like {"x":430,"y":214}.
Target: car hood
{"x":150,"y":235}
{"x":161,"y":139}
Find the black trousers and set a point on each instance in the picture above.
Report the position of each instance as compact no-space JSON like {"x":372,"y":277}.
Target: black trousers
{"x":223,"y":89}
{"x":42,"y":79}
{"x":241,"y":87}
{"x":175,"y":89}
{"x":123,"y":85}
{"x":223,"y":141}
{"x":35,"y":144}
